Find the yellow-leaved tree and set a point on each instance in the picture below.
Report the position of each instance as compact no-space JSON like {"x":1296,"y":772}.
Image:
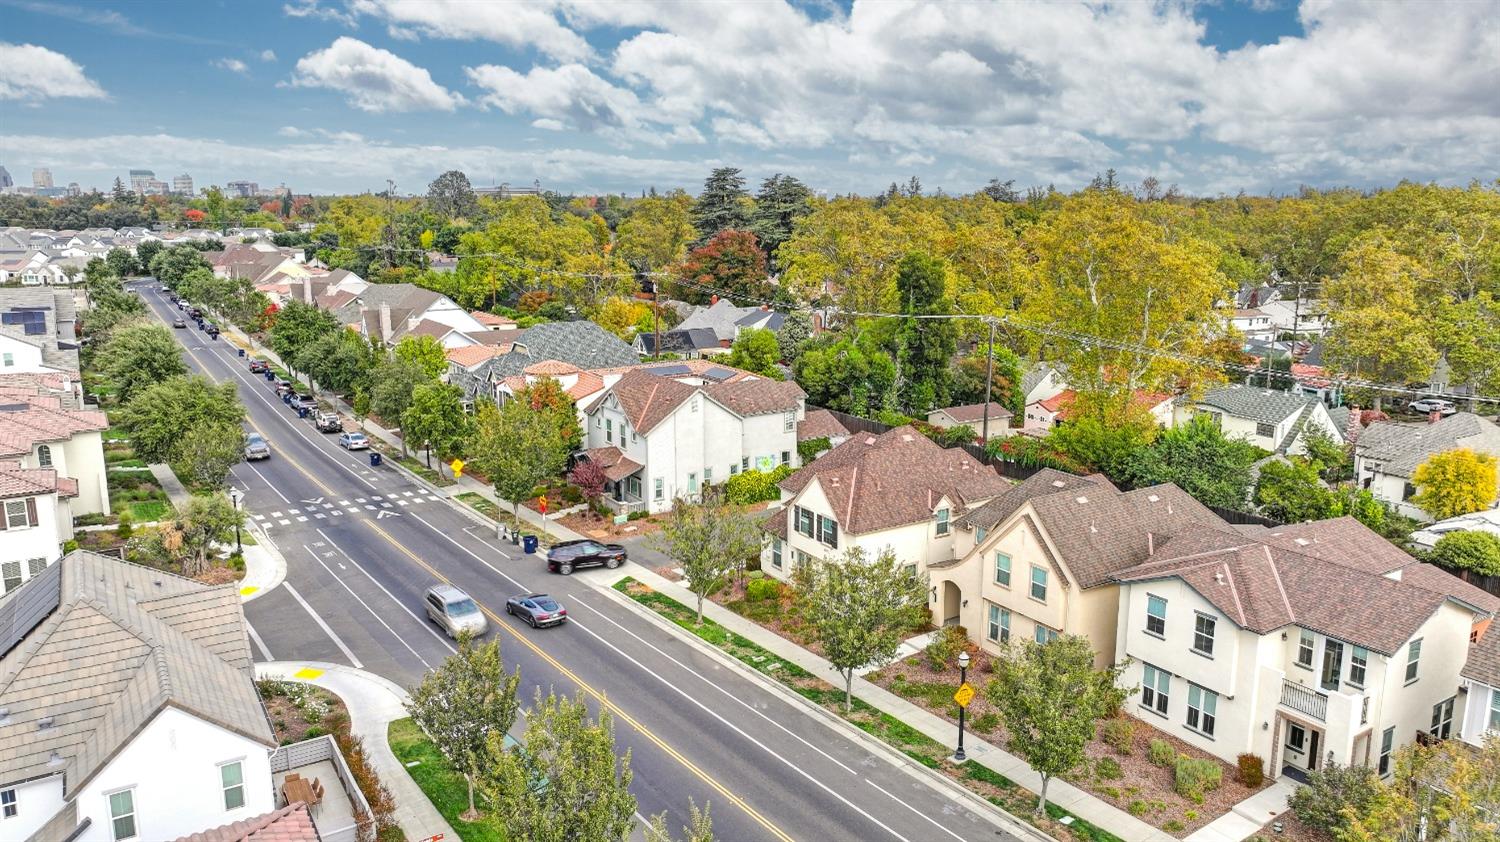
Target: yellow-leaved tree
{"x":1455,"y":482}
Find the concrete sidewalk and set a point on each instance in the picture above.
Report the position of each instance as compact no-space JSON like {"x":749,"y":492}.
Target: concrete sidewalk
{"x":373,"y":704}
{"x":1249,"y":816}
{"x":265,"y":568}
{"x":1061,"y":793}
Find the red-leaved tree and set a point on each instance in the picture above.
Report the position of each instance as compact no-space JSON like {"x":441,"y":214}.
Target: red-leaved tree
{"x":731,"y":265}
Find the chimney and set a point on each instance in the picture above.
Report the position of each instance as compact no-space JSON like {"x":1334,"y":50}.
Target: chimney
{"x":307,"y":290}
{"x":1353,"y":428}
{"x":714,"y":300}
{"x":412,"y":322}
{"x":385,"y":322}
{"x":1434,"y":416}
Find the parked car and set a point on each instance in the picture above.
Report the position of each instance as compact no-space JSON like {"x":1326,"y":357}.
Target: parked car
{"x":259,"y":366}
{"x":256,"y":447}
{"x":537,"y":610}
{"x":194,"y":313}
{"x":304,"y":401}
{"x":282,"y":386}
{"x":1427,"y":405}
{"x":179,"y":322}
{"x":328,"y":422}
{"x":454,"y":611}
{"x":565,"y":557}
{"x":211,"y":329}
{"x":354,"y":441}
{"x":179,"y":304}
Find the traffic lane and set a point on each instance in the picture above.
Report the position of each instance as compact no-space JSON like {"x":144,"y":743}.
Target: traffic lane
{"x":287,"y":631}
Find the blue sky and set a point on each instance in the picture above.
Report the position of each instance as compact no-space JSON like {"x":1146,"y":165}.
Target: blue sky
{"x":338,"y":95}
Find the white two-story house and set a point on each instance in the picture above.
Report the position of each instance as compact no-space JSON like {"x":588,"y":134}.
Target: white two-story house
{"x":1278,"y":422}
{"x":1480,"y":691}
{"x":1302,"y":645}
{"x":897,"y":491}
{"x":660,"y":439}
{"x":35,"y":519}
{"x":1388,"y":453}
{"x":38,"y":431}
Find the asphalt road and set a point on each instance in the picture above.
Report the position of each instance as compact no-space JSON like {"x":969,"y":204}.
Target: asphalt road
{"x":362,"y":544}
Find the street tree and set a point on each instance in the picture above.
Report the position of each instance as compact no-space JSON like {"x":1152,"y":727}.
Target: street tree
{"x":159,"y":415}
{"x":451,"y":196}
{"x":202,"y":522}
{"x":518,"y":448}
{"x":436,"y":419}
{"x":392,"y":384}
{"x":564,"y":782}
{"x":462,"y":703}
{"x":298,"y":326}
{"x":173,"y":263}
{"x":1476,"y":552}
{"x":206,"y":452}
{"x":146,"y":251}
{"x":860,"y":610}
{"x":139,"y":355}
{"x":1455,"y":482}
{"x":121,"y":262}
{"x":700,"y":826}
{"x":709,"y":540}
{"x":781,"y":201}
{"x":757,"y":350}
{"x":424,"y":352}
{"x":340,"y":362}
{"x":1050,"y":698}
{"x":722,"y":205}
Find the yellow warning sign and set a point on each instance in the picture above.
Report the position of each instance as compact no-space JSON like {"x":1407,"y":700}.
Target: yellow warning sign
{"x":458,"y":467}
{"x":964,"y":695}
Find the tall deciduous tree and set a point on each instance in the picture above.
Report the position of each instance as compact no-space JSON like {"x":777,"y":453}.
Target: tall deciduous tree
{"x":1199,"y":459}
{"x":392,"y":384}
{"x":846,"y":375}
{"x":207,"y":451}
{"x":121,"y":262}
{"x":172,"y":264}
{"x":1050,"y":697}
{"x":564,"y":782}
{"x":845,"y":250}
{"x":518,"y":448}
{"x":436,"y":419}
{"x":782,"y":201}
{"x":159,"y":415}
{"x":205,"y":520}
{"x":1469,"y":337}
{"x":1378,"y":331}
{"x":722,"y":205}
{"x":298,"y":326}
{"x":424,"y":352}
{"x":140,"y":355}
{"x":709,"y":540}
{"x":730,"y":265}
{"x":700,"y":826}
{"x":860,"y":609}
{"x":1446,"y":792}
{"x":464,"y":702}
{"x":1455,"y":482}
{"x":656,"y":233}
{"x":924,"y":346}
{"x":451,"y":196}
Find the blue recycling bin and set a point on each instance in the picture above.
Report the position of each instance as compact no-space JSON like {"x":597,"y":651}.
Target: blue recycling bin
{"x":528,"y":543}
{"x":375,"y":459}
{"x":270,"y":375}
{"x":301,"y":412}
{"x":242,"y":352}
{"x":286,"y":397}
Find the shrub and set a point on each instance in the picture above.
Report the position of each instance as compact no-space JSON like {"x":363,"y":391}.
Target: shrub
{"x":755,"y":574}
{"x":69,"y":546}
{"x":1108,"y":768}
{"x":1161,"y":753}
{"x":945,"y":646}
{"x":1118,"y":733}
{"x":757,"y":590}
{"x":986,"y":722}
{"x":1329,"y":790}
{"x":1111,"y":791}
{"x":125,"y":529}
{"x":1252,"y":770}
{"x":1137,"y":808}
{"x":90,"y":519}
{"x":637,"y":515}
{"x":1173,"y":826}
{"x":809,"y":450}
{"x":749,"y":487}
{"x":1193,"y":777}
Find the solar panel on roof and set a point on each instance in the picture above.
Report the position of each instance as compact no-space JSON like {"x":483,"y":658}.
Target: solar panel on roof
{"x":717,"y":373}
{"x":670,"y":370}
{"x":27,"y":606}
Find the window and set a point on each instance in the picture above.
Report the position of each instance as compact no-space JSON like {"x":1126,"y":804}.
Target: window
{"x":1044,"y":634}
{"x":1442,"y":719}
{"x":693,"y":404}
{"x":10,"y":575}
{"x":1156,"y":615}
{"x":1296,"y":738}
{"x":708,"y":476}
{"x":122,"y":814}
{"x":1039,"y":583}
{"x":786,"y":457}
{"x":693,"y":483}
{"x":1495,"y":710}
{"x":1156,"y":689}
{"x":1359,"y":659}
{"x":1265,"y":430}
{"x":1387,"y":743}
{"x":744,"y":463}
{"x":35,"y":566}
{"x":979,"y":533}
{"x":633,"y":487}
{"x":802,"y":521}
{"x":1201,"y":707}
{"x":1203,"y":634}
{"x":734,"y":468}
{"x":43,"y":456}
{"x":942,"y":521}
{"x":776,"y":553}
{"x":609,"y":430}
{"x":657,"y":491}
{"x":8,"y":803}
{"x":828,"y":531}
{"x":1413,"y":656}
{"x":10,"y":359}
{"x":1333,"y":664}
{"x":232,"y":776}
{"x":1305,"y":649}
{"x":1364,"y":710}
{"x":16,"y":514}
{"x":788,"y":422}
{"x":999,"y":624}
{"x":1002,"y":570}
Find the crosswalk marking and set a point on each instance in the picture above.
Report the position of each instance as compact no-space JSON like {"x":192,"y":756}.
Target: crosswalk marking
{"x":401,"y":502}
{"x":338,"y":512}
{"x":359,"y":499}
{"x":301,"y":519}
{"x":343,"y":502}
{"x":319,"y":515}
{"x":385,"y":505}
{"x":374,"y":496}
{"x":260,"y":517}
{"x":352,"y":511}
{"x":291,"y":511}
{"x":370,"y":507}
{"x":275,"y":514}
{"x":432,"y":497}
{"x":284,"y":522}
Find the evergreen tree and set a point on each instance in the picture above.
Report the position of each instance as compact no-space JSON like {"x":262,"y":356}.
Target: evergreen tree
{"x":782,"y":200}
{"x":923,"y":346}
{"x":721,"y":205}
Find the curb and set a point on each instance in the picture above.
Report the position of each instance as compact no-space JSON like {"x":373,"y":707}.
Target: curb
{"x":935,"y":780}
{"x":277,"y":559}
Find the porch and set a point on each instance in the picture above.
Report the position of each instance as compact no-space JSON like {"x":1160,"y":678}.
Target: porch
{"x":318,"y":766}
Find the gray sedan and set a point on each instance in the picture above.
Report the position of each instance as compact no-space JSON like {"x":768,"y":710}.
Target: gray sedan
{"x":537,"y":610}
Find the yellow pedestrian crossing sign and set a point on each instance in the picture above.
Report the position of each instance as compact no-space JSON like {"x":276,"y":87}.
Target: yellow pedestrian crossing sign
{"x":458,"y":467}
{"x":964,"y":695}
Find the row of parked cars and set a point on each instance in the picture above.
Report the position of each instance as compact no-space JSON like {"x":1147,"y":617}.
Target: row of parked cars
{"x":304,"y":405}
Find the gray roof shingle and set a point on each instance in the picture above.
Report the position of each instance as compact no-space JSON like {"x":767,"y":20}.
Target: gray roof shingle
{"x":581,"y":343}
{"x":1257,"y":404}
{"x":1400,"y":447}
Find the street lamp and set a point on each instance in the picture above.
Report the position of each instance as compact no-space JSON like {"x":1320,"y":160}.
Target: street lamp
{"x":963,"y":681}
{"x":235,"y":496}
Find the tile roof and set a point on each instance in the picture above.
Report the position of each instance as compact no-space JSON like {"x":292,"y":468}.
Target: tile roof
{"x":469,"y":356}
{"x":1255,"y":403}
{"x":893,"y":479}
{"x":820,"y":423}
{"x":16,"y":481}
{"x":1058,"y":402}
{"x":1400,"y":447}
{"x":491,"y":320}
{"x":1483,"y":664}
{"x":757,"y":397}
{"x":123,"y":643}
{"x":588,"y":383}
{"x":292,"y":823}
{"x":550,"y":367}
{"x":974,"y":412}
{"x":615,"y":463}
{"x":28,"y":420}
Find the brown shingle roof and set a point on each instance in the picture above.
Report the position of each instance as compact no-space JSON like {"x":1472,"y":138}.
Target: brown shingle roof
{"x":757,"y":397}
{"x":648,"y":399}
{"x":820,"y":423}
{"x":1483,"y":664}
{"x":616,"y":464}
{"x":896,"y":478}
{"x":292,"y":823}
{"x":1008,"y":502}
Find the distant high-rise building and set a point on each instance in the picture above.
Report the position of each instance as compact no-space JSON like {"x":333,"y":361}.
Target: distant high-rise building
{"x":140,"y":179}
{"x":182,"y":185}
{"x":5,"y":179}
{"x":41,"y":177}
{"x":242,"y":189}
{"x":74,"y":189}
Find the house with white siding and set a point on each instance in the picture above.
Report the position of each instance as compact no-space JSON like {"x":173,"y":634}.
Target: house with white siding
{"x":1388,"y":453}
{"x":1275,"y":421}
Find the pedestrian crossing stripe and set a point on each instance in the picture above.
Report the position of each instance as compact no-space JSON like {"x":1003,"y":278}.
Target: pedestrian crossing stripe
{"x":260,"y":517}
{"x":301,"y":519}
{"x":343,"y":502}
{"x":275,"y":514}
{"x":359,"y":499}
{"x":291,"y":511}
{"x":284,"y":522}
{"x":401,"y":502}
{"x":352,"y":511}
{"x":375,"y":497}
{"x":338,"y":512}
{"x":320,"y":515}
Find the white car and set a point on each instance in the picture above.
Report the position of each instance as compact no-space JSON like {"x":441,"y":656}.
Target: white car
{"x":454,"y":611}
{"x":354,"y":441}
{"x":1428,"y":405}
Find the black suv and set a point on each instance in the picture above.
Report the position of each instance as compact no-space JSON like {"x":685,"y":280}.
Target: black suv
{"x":565,"y":557}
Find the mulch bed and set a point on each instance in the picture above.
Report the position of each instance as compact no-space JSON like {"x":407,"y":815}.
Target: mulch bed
{"x":1292,"y":830}
{"x":1142,"y":788}
{"x":300,"y":711}
{"x":774,"y":615}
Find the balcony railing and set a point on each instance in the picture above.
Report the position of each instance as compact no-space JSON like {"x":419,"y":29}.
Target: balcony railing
{"x":1304,"y":701}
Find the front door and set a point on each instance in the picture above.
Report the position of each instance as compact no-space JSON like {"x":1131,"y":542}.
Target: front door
{"x":1312,"y":751}
{"x":952,"y":602}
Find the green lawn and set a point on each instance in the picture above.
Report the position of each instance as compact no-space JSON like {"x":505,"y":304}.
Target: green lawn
{"x":444,"y":787}
{"x":144,"y":511}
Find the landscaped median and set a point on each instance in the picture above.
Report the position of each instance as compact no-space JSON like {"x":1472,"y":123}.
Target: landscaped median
{"x":444,"y":787}
{"x":993,"y":787}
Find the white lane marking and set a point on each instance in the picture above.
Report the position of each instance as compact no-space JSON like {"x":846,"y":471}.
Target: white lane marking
{"x":259,"y":644}
{"x":260,"y":517}
{"x":433,"y":498}
{"x":378,"y":618}
{"x":401,"y":502}
{"x":322,"y":625}
{"x":320,"y":516}
{"x":375,"y":497}
{"x":423,"y":623}
{"x":301,"y":519}
{"x":275,"y":514}
{"x":689,"y":697}
{"x":934,"y":822}
{"x":351,"y":510}
{"x":338,"y":512}
{"x":359,"y":499}
{"x":485,"y":541}
{"x":367,"y":506}
{"x":291,"y":511}
{"x":343,"y":502}
{"x":284,"y":522}
{"x":385,"y":505}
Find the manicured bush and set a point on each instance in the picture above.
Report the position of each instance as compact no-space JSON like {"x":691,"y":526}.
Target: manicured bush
{"x":1193,"y":777}
{"x":1118,"y":733}
{"x":1108,"y":768}
{"x":1161,"y":753}
{"x":943,"y":651}
{"x":749,"y":487}
{"x":1252,"y":770}
{"x":757,"y":590}
{"x":1329,"y":790}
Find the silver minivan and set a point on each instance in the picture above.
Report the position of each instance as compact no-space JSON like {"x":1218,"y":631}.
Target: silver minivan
{"x":454,"y":611}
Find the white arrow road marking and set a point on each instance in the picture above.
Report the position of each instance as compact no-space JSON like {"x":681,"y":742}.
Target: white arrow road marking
{"x":386,"y":513}
{"x":314,"y":502}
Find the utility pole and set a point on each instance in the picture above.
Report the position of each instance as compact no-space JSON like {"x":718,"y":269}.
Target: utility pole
{"x":989,"y":379}
{"x":390,"y":223}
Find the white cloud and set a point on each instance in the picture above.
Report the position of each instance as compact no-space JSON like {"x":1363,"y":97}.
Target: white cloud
{"x":267,"y":55}
{"x":548,"y":123}
{"x":373,"y":79}
{"x":314,"y":9}
{"x":292,"y":131}
{"x":520,"y":25}
{"x":233,"y":65}
{"x":29,"y":72}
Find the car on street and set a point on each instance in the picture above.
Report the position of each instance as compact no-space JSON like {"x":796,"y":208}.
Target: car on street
{"x":454,"y":611}
{"x":179,"y":322}
{"x":194,"y":312}
{"x":211,"y":329}
{"x":537,"y":610}
{"x":304,"y":401}
{"x":256,"y":447}
{"x":328,"y":422}
{"x":282,"y":386}
{"x":178,"y":302}
{"x":259,"y":366}
{"x":567,"y":556}
{"x":1429,"y":405}
{"x":354,"y":441}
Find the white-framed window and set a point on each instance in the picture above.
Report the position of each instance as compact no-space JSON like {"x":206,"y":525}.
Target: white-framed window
{"x":1296,"y":738}
{"x":1039,"y":583}
{"x":1203,"y":634}
{"x":1265,"y":430}
{"x":35,"y":566}
{"x":776,"y":553}
{"x":1442,"y":719}
{"x":633,"y":487}
{"x":609,"y":430}
{"x":1413,"y":659}
{"x":1201,"y":710}
{"x":708,"y":476}
{"x":16,"y":514}
{"x":1156,"y":615}
{"x":1387,"y":744}
{"x":1002,"y":570}
{"x":1156,"y":689}
{"x":693,"y":482}
{"x":786,"y":457}
{"x":942,"y":521}
{"x":8,"y":806}
{"x":232,"y":779}
{"x":788,"y":421}
{"x":734,"y":468}
{"x":43,"y":456}
{"x":1044,"y":634}
{"x":122,"y":814}
{"x":1494,"y":710}
{"x":1305,"y":649}
{"x":1359,"y":661}
{"x":658,"y":491}
{"x":998,"y":628}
